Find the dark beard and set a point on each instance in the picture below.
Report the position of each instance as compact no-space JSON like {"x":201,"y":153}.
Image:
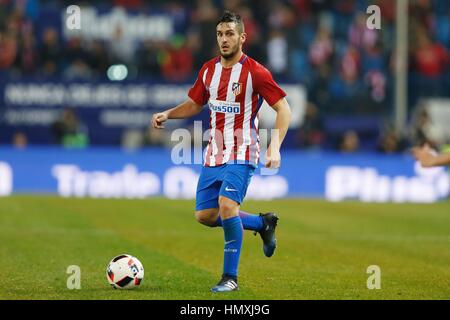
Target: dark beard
{"x":230,"y":55}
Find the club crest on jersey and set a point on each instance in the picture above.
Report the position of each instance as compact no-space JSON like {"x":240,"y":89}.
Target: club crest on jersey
{"x":236,"y":88}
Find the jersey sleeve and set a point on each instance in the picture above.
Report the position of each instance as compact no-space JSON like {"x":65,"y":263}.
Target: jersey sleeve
{"x":266,"y":86}
{"x":198,"y":91}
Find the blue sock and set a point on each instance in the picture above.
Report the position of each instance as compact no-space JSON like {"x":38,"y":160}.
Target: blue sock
{"x":232,"y":229}
{"x":249,"y":221}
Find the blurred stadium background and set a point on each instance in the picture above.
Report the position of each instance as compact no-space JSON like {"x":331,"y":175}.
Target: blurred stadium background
{"x":98,"y":86}
{"x":75,"y":107}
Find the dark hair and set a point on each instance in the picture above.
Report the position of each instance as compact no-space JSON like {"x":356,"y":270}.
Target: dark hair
{"x":229,"y":16}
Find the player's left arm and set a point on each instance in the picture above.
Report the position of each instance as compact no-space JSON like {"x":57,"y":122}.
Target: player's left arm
{"x":273,"y":156}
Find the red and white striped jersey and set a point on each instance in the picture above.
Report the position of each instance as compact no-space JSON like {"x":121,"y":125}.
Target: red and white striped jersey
{"x":234,"y":96}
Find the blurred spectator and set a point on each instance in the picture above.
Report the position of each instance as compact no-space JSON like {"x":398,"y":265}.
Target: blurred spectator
{"x":350,"y":63}
{"x":277,"y":53}
{"x":194,"y":45}
{"x":50,"y":52}
{"x":98,"y":58}
{"x":204,"y":17}
{"x":74,"y":50}
{"x":349,"y":142}
{"x":20,"y":140}
{"x":281,"y":16}
{"x":148,"y":57}
{"x":311,"y":134}
{"x":421,"y":13}
{"x":177,"y":60}
{"x":8,"y":50}
{"x":344,"y":13}
{"x":390,"y":142}
{"x":69,"y":131}
{"x":376,"y":81}
{"x":253,"y":45}
{"x":303,"y":8}
{"x":321,"y":49}
{"x":121,"y":47}
{"x":320,"y":88}
{"x":78,"y":69}
{"x":347,"y":85}
{"x":430,"y":61}
{"x":27,"y":57}
{"x":76,"y":58}
{"x":359,"y":36}
{"x":372,"y":59}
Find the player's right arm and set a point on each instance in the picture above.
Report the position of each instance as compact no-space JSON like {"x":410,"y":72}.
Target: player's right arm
{"x":197,"y":98}
{"x":184,"y":110}
{"x":428,"y":158}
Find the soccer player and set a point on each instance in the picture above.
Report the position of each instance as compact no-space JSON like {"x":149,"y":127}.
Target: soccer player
{"x":428,"y":157}
{"x":233,"y":86}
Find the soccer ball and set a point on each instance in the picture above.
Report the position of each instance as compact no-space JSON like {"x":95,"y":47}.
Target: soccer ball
{"x":125,"y":272}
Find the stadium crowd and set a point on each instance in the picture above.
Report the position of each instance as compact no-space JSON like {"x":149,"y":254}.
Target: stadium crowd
{"x":323,"y":44}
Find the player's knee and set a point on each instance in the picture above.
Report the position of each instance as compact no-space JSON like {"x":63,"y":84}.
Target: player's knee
{"x":206,"y":218}
{"x":228,"y":206}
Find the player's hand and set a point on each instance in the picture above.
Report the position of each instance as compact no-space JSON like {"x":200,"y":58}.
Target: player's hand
{"x":273,"y":158}
{"x":425,"y":155}
{"x":158,"y":120}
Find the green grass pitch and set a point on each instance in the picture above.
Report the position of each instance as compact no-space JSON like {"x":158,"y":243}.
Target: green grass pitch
{"x":323,"y":251}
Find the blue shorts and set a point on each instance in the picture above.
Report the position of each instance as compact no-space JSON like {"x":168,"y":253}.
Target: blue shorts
{"x":228,"y":180}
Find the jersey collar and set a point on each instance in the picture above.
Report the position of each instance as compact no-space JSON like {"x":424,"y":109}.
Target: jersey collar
{"x":241,"y":60}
